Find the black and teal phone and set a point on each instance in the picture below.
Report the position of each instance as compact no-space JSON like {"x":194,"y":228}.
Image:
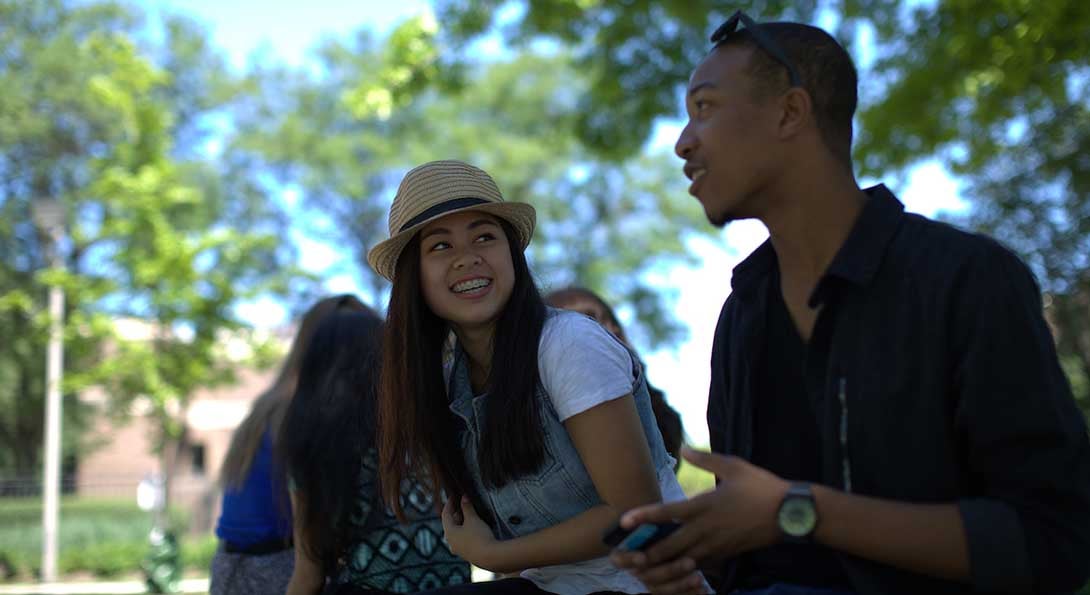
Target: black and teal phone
{"x":640,"y":538}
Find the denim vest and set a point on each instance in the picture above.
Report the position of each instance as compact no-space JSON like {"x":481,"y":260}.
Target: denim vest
{"x":562,"y":487}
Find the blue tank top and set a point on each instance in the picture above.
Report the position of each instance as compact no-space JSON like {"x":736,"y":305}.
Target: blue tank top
{"x":259,"y":511}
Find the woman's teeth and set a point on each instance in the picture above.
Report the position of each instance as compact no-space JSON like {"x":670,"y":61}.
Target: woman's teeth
{"x":470,"y":285}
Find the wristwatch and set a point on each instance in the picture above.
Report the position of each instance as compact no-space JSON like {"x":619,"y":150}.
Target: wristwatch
{"x":797,"y":516}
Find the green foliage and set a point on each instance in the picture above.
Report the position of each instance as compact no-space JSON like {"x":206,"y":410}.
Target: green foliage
{"x":602,"y":223}
{"x":47,"y":122}
{"x":103,"y":559}
{"x":160,"y":233}
{"x":996,"y":90}
{"x":409,"y":65}
{"x":1080,"y":383}
{"x":636,"y":55}
{"x":197,"y":551}
{"x":104,"y":537}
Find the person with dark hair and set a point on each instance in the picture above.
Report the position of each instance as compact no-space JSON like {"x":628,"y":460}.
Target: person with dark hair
{"x":254,"y":527}
{"x":345,"y":538}
{"x":585,"y":301}
{"x":534,"y":422}
{"x":887,"y":412}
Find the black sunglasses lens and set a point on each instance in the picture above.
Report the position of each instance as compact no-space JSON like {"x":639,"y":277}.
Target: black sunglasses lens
{"x":730,"y":26}
{"x":761,"y":39}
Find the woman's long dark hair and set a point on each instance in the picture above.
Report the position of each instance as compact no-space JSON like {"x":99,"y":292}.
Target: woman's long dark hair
{"x":418,"y":434}
{"x":328,"y":428}
{"x":267,"y":413}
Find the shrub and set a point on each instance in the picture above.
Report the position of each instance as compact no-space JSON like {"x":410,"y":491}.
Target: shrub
{"x":106,"y":559}
{"x":104,"y":537}
{"x":198,"y":551}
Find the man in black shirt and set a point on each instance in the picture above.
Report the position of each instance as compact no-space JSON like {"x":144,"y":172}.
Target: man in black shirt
{"x":887,"y":412}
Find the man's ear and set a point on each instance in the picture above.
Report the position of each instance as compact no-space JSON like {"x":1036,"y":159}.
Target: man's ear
{"x":797,"y":112}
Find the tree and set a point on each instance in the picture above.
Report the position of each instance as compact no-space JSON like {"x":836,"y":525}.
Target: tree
{"x":995,"y":90}
{"x":88,"y":119}
{"x":602,"y":222}
{"x":37,"y":160}
{"x":335,"y":136}
{"x":998,"y":92}
{"x":635,"y":55}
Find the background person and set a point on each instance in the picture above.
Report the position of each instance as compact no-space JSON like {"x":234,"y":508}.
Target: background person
{"x":585,"y":301}
{"x":343,"y":532}
{"x":254,"y":527}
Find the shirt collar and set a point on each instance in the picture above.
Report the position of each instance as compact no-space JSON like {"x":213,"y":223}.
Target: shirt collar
{"x":757,"y":265}
{"x":859,"y":257}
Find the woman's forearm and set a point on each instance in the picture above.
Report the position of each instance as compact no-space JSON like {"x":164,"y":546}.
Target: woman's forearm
{"x":306,"y":575}
{"x":612,"y":446}
{"x":574,"y":540}
{"x":304,"y":583}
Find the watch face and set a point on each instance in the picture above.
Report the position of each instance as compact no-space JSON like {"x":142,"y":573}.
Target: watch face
{"x":797,"y":516}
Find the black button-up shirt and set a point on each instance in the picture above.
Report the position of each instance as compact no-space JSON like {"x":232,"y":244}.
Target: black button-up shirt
{"x":935,"y":379}
{"x":789,"y":445}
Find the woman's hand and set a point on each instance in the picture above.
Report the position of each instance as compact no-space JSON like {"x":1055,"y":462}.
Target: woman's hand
{"x":469,"y":536}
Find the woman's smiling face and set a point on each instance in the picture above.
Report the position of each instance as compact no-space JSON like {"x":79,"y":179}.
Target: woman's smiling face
{"x":466,"y":271}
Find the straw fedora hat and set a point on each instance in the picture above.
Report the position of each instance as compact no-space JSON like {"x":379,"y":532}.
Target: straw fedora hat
{"x":440,"y":188}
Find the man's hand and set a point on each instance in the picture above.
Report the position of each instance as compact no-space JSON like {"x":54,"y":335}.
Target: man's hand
{"x":736,"y":517}
{"x":676,"y":577}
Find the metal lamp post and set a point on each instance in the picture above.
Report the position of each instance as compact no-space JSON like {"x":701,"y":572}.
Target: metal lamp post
{"x":48,"y":214}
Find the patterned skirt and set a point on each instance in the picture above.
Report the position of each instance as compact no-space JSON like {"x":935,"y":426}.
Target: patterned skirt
{"x":249,"y":574}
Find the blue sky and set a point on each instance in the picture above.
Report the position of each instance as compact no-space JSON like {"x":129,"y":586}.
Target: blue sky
{"x":287,"y":29}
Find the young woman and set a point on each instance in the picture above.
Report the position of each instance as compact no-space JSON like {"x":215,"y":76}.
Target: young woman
{"x":254,"y":527}
{"x":344,"y":537}
{"x":585,"y":301}
{"x":534,"y":422}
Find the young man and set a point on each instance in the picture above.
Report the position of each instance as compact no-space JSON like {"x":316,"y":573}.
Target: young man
{"x":887,"y":412}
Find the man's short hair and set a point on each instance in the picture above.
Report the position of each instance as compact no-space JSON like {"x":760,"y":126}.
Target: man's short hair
{"x":824,"y":67}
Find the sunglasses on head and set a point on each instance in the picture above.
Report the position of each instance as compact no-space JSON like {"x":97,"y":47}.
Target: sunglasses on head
{"x":345,"y":300}
{"x":762,"y":40}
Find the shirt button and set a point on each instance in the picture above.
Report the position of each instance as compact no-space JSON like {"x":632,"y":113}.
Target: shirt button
{"x":515,"y":519}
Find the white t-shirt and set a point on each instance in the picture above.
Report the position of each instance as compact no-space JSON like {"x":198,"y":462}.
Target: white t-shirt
{"x":582,"y":365}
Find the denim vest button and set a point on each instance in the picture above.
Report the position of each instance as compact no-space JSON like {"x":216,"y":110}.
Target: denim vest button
{"x":514,"y":520}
